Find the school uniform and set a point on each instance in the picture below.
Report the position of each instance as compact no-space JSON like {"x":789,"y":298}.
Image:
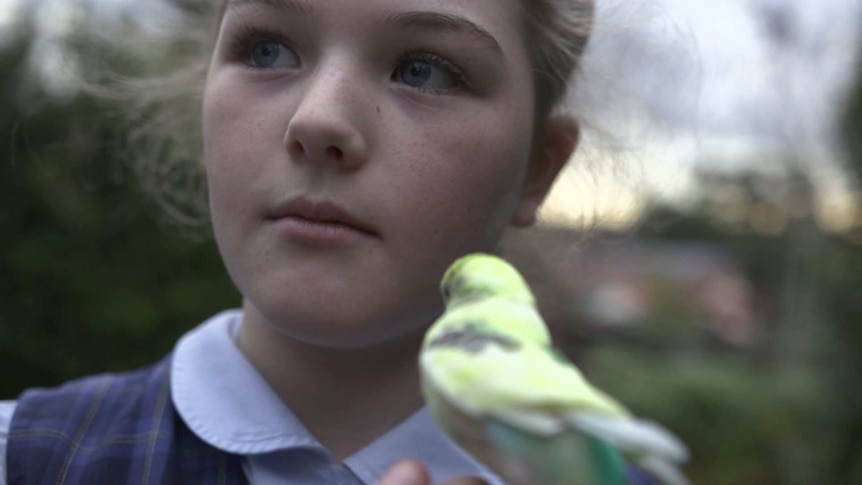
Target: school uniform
{"x":201,"y":415}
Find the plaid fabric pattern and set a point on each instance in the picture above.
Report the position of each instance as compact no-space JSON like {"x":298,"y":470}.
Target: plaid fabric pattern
{"x":111,"y":429}
{"x":637,"y":477}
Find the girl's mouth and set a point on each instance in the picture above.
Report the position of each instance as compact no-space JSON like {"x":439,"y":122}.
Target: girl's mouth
{"x":319,"y":223}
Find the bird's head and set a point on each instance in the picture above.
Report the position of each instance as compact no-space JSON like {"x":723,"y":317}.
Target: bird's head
{"x":478,"y":276}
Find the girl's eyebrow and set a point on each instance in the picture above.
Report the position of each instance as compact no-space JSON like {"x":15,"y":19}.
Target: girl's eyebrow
{"x":290,"y":5}
{"x":442,"y":21}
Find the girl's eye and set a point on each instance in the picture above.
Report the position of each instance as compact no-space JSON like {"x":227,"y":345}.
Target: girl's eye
{"x":273,"y":55}
{"x":428,"y":73}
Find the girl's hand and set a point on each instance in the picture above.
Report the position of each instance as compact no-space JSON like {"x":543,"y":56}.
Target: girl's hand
{"x":410,"y":472}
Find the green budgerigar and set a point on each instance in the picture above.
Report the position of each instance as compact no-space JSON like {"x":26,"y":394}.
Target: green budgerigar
{"x":495,"y":384}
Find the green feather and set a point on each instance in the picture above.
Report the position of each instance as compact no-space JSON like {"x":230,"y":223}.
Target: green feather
{"x":563,"y":459}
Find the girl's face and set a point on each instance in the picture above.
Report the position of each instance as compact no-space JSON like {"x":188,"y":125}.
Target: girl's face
{"x":355,"y":149}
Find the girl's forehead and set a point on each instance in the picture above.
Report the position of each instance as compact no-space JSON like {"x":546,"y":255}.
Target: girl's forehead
{"x":487,"y":15}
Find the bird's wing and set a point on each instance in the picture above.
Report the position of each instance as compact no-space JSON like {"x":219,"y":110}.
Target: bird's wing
{"x":525,"y":385}
{"x":536,"y":390}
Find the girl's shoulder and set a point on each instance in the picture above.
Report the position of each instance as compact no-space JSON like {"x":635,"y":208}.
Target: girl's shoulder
{"x":109,"y":393}
{"x":107,"y":427}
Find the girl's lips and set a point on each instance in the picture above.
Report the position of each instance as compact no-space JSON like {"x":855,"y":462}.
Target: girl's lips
{"x":319,"y":223}
{"x":311,"y":232}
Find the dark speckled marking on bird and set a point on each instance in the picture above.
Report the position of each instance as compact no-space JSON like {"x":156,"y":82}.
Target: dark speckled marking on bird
{"x":473,"y":340}
{"x":453,"y":286}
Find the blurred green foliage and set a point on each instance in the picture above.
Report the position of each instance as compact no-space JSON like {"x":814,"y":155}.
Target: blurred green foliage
{"x":93,"y":280}
{"x":736,"y":416}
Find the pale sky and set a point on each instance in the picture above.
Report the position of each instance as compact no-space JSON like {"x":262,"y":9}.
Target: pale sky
{"x":741,"y":64}
{"x":711,"y":88}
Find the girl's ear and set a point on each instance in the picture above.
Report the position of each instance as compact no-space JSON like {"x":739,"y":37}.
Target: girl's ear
{"x":561,"y":139}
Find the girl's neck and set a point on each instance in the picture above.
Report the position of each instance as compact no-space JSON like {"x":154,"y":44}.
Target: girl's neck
{"x":345,"y":397}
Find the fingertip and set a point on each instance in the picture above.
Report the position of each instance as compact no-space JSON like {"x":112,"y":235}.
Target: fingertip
{"x":406,"y":472}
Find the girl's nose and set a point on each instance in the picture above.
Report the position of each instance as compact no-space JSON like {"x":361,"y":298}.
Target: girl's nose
{"x":327,"y":124}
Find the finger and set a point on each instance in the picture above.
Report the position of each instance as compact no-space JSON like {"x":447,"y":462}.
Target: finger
{"x":406,"y":472}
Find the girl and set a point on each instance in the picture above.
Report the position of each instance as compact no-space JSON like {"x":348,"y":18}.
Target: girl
{"x":352,"y":150}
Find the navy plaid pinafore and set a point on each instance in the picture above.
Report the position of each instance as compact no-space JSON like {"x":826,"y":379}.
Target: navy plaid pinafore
{"x":111,"y":429}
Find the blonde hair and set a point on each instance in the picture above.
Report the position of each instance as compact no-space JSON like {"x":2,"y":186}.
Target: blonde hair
{"x":164,"y":141}
{"x":558,"y":32}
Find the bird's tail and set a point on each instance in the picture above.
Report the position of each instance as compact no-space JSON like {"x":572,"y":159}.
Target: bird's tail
{"x":647,"y":444}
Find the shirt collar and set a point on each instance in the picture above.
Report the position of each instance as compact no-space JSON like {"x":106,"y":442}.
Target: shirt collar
{"x":222,"y":397}
{"x":224,"y":400}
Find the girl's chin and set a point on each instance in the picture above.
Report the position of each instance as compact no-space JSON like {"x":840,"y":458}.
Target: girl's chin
{"x":339,"y":332}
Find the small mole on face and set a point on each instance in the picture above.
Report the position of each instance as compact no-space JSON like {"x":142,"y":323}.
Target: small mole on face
{"x":378,"y":109}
